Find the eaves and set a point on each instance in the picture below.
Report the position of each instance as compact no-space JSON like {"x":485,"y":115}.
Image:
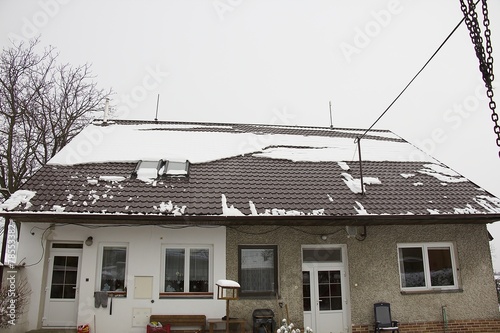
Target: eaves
{"x":283,"y":220}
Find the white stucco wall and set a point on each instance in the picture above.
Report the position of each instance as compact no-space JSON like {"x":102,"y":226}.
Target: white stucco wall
{"x":144,"y":259}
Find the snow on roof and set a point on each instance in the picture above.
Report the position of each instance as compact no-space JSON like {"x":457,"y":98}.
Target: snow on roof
{"x":442,"y":173}
{"x":17,"y":198}
{"x":200,"y":143}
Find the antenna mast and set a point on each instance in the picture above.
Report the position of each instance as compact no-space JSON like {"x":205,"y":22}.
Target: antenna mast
{"x":157,"y":103}
{"x":331,"y":120}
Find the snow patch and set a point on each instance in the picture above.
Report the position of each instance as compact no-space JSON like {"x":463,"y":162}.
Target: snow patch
{"x":17,"y":198}
{"x":112,"y":179}
{"x":360,"y":209}
{"x":354,"y":184}
{"x":442,"y":173}
{"x":200,"y":143}
{"x":491,"y":204}
{"x":467,"y":210}
{"x":371,"y":181}
{"x":58,"y":208}
{"x":253,"y":210}
{"x":407,"y":175}
{"x":343,"y":166}
{"x":178,"y":210}
{"x":318,"y":212}
{"x":229,"y":211}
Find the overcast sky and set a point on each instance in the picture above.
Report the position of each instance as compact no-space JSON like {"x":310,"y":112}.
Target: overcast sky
{"x":281,"y":62}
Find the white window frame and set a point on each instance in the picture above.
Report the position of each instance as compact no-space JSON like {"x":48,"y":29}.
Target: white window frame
{"x":187,"y":249}
{"x":427,"y":276}
{"x":99,"y":264}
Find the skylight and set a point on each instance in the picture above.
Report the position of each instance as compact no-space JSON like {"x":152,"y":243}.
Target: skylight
{"x":176,"y":168}
{"x":147,"y":169}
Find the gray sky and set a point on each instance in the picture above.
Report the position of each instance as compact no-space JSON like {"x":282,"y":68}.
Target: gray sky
{"x":281,"y":62}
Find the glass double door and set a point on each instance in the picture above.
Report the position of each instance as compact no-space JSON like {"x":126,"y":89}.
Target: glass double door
{"x":325,"y":298}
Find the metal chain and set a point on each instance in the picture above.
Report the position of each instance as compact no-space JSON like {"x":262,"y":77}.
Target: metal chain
{"x":485,"y":63}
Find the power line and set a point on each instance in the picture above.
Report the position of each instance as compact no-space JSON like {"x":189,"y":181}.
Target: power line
{"x":411,"y":81}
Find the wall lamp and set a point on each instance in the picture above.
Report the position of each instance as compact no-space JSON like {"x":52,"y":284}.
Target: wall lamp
{"x":89,"y":241}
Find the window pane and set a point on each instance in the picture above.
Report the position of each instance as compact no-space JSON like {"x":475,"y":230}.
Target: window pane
{"x":257,"y":270}
{"x":440,"y":267}
{"x":322,"y":255}
{"x":114,"y":259}
{"x":198,"y":270}
{"x":306,"y":290}
{"x":329,"y":290}
{"x":174,"y":270}
{"x":411,"y":264}
{"x":64,"y":276}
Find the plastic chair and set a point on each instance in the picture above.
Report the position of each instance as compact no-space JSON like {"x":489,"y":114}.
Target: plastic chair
{"x":383,"y":320}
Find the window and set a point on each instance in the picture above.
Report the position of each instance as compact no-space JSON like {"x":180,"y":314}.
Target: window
{"x":113,"y":269}
{"x":147,"y":169}
{"x":258,"y":270}
{"x":429,"y":266}
{"x":176,"y":169}
{"x":187,"y":270}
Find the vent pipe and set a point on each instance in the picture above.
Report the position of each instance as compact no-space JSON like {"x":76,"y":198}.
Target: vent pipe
{"x":106,"y":112}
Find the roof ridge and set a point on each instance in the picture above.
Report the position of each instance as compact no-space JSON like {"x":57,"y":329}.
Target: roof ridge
{"x":204,"y":123}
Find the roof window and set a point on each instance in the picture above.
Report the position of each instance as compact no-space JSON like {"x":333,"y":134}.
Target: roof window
{"x":147,"y":169}
{"x":176,"y":168}
{"x":153,"y":169}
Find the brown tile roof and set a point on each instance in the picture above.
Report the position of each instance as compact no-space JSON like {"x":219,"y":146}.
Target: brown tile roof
{"x":254,"y":186}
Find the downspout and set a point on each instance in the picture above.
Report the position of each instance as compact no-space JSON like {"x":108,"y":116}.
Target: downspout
{"x":445,"y":318}
{"x":4,"y":247}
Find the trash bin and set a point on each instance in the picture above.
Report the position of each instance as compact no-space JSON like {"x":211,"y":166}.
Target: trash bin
{"x":263,"y":321}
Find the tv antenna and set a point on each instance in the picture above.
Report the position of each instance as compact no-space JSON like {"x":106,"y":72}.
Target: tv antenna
{"x":331,"y":119}
{"x":157,"y":103}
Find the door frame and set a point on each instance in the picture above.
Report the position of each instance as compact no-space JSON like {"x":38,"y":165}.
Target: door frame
{"x":77,"y":250}
{"x":343,"y":267}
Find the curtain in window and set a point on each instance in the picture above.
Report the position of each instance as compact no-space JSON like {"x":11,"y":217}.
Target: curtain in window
{"x":114,"y":260}
{"x":198,"y":270}
{"x":174,"y":270}
{"x":257,"y":270}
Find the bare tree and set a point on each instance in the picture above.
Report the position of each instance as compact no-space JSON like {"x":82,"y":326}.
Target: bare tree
{"x":43,"y":105}
{"x":14,"y":297}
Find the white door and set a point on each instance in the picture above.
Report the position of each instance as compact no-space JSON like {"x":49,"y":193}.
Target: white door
{"x":61,"y":292}
{"x":325,"y":290}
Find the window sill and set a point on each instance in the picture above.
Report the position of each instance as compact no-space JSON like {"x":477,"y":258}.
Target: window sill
{"x":207,"y":295}
{"x":431,"y":291}
{"x":258,"y":296}
{"x":117,"y":293}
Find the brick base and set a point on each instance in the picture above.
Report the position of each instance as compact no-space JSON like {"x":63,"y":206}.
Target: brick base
{"x":454,"y":326}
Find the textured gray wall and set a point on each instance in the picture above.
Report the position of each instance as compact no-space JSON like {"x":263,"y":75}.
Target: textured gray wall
{"x":373,"y":271}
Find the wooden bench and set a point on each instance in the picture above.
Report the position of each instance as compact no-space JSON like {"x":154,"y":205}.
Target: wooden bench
{"x":186,"y":323}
